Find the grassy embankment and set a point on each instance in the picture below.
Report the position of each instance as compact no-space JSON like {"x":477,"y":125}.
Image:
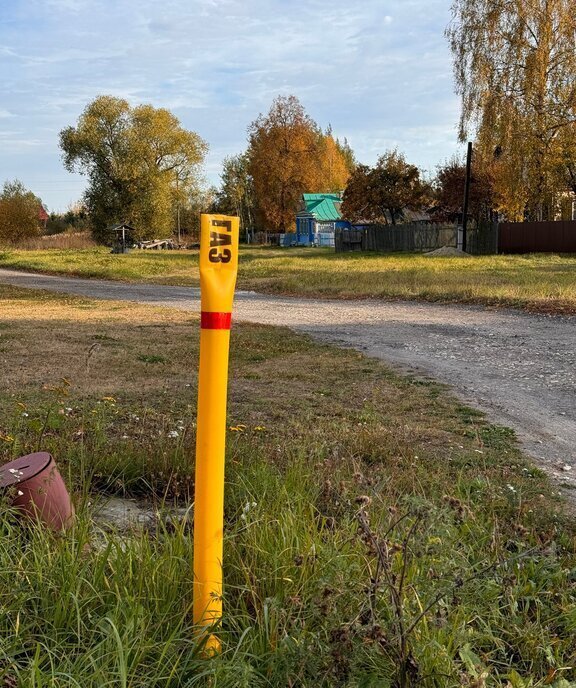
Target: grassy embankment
{"x":378,"y":533}
{"x":538,"y":282}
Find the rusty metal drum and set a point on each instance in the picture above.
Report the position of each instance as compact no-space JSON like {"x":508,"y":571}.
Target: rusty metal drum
{"x":37,"y":489}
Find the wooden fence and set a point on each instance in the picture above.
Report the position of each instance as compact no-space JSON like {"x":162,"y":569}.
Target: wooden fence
{"x":390,"y":238}
{"x":415,"y":238}
{"x":482,"y":239}
{"x":537,"y":237}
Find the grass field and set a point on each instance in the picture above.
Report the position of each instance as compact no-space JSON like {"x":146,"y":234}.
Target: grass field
{"x":539,"y":282}
{"x":378,"y":533}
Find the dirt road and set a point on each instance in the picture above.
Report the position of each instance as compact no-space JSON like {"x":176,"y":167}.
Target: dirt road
{"x":519,"y":368}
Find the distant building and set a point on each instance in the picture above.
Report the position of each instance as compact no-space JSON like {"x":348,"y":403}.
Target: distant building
{"x":318,"y":218}
{"x":42,"y":216}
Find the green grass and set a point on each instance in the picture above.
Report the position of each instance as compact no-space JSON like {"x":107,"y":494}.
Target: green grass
{"x":378,"y":533}
{"x":539,"y":282}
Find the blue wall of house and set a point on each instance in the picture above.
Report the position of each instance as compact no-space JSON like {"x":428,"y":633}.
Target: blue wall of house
{"x":305,"y":229}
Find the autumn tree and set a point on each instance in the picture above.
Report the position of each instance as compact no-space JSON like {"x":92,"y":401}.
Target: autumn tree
{"x":380,"y":193}
{"x":449,"y":188}
{"x":336,"y":164}
{"x":138,"y":161}
{"x":348,"y":155}
{"x":289,"y":155}
{"x":19,"y":213}
{"x":514,"y":65}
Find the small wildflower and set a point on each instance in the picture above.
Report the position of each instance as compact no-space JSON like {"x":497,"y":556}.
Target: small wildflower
{"x":259,"y":428}
{"x":236,"y":428}
{"x":124,"y":437}
{"x":20,"y":493}
{"x":6,"y":438}
{"x":25,"y":415}
{"x":172,"y":434}
{"x":511,"y":488}
{"x":110,"y":399}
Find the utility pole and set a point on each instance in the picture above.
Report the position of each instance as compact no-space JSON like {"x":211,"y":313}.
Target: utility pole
{"x":177,"y":210}
{"x":466,"y":195}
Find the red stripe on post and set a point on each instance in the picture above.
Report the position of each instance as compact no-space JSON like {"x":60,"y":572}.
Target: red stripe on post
{"x":215,"y":321}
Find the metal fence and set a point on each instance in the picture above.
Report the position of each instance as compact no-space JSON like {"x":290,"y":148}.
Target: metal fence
{"x":537,"y":237}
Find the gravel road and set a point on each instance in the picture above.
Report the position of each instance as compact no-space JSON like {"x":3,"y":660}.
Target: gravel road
{"x":519,"y":368}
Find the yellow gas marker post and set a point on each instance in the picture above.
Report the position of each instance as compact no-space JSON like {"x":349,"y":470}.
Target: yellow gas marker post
{"x":218,"y":270}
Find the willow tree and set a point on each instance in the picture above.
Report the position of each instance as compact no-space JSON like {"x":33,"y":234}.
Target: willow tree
{"x":139,"y":161}
{"x":515,"y":67}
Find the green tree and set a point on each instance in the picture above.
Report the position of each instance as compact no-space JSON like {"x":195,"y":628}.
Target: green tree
{"x":201,"y":201}
{"x":75,"y":219}
{"x":514,"y":65}
{"x":139,"y":162}
{"x":380,"y":193}
{"x":19,"y":213}
{"x":236,"y":194}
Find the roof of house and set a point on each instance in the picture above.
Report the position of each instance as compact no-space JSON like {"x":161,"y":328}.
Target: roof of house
{"x":43,"y":214}
{"x":120,"y":227}
{"x":324,"y":207}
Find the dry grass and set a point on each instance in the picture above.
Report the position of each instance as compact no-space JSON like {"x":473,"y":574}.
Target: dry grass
{"x":539,"y":282}
{"x":314,"y":431}
{"x":101,"y":347}
{"x":64,"y":241}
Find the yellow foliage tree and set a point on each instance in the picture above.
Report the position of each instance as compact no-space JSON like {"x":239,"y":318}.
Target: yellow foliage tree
{"x":514,"y":65}
{"x":288,"y":155}
{"x":334,"y":170}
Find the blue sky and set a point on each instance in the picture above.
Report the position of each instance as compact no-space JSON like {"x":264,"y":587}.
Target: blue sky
{"x":378,"y":71}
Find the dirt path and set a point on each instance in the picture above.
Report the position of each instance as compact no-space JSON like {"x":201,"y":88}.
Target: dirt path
{"x":519,"y":368}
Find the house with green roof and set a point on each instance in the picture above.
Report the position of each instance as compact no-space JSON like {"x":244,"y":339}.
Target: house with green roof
{"x":318,"y":218}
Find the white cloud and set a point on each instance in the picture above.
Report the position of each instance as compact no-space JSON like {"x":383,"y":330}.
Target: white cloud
{"x":378,"y":71}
